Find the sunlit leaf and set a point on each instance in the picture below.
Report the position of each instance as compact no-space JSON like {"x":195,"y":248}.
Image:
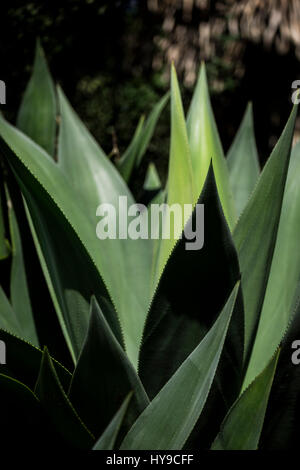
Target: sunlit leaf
{"x":4,"y":245}
{"x":137,"y":148}
{"x":180,"y":178}
{"x":256,"y":231}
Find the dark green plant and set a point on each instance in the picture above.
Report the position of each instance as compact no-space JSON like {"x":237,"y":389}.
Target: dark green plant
{"x":171,"y":348}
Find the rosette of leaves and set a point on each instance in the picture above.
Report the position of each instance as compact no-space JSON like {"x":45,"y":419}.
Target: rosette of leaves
{"x":170,"y":348}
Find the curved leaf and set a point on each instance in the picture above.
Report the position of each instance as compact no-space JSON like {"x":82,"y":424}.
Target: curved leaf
{"x":282,"y":427}
{"x":54,"y":198}
{"x":169,"y":419}
{"x":8,"y":318}
{"x":58,"y":407}
{"x":103,"y":377}
{"x":108,"y":438}
{"x":256,"y":231}
{"x":72,"y":288}
{"x":180,"y":178}
{"x":124,"y":264}
{"x":152,"y":181}
{"x":241,"y":428}
{"x":19,"y":293}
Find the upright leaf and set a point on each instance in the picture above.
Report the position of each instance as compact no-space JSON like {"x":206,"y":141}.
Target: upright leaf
{"x":4,"y":246}
{"x":256,"y":231}
{"x":127,"y":161}
{"x":241,"y":428}
{"x":169,"y":419}
{"x":59,"y":408}
{"x":23,"y":361}
{"x":180,"y":178}
{"x":68,"y":198}
{"x":149,"y":127}
{"x":205,"y":145}
{"x":18,"y":284}
{"x":137,"y":148}
{"x":184,"y":307}
{"x":103,"y":377}
{"x":37,"y":113}
{"x":94,"y":180}
{"x":282,"y":427}
{"x":21,"y":417}
{"x":242,"y":159}
{"x":8,"y":318}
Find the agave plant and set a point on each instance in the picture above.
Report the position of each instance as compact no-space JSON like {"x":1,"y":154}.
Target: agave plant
{"x":171,"y":348}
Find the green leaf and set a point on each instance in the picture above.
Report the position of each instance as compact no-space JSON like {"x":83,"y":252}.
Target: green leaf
{"x":127,"y":161}
{"x":256,"y":231}
{"x":4,"y":245}
{"x":67,"y":196}
{"x":107,"y":440}
{"x":133,"y":155}
{"x":24,"y":359}
{"x":205,"y":145}
{"x":19,"y":293}
{"x":169,"y":419}
{"x":284,"y":276}
{"x":282,"y":427}
{"x":152,"y":181}
{"x":242,"y":159}
{"x":8,"y":318}
{"x":21,"y":416}
{"x":149,"y":127}
{"x":180,"y":177}
{"x":178,"y":318}
{"x":103,"y":377}
{"x":241,"y":428}
{"x":94,"y":180}
{"x":59,"y":408}
{"x":37,"y":113}
{"x":72,"y":288}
